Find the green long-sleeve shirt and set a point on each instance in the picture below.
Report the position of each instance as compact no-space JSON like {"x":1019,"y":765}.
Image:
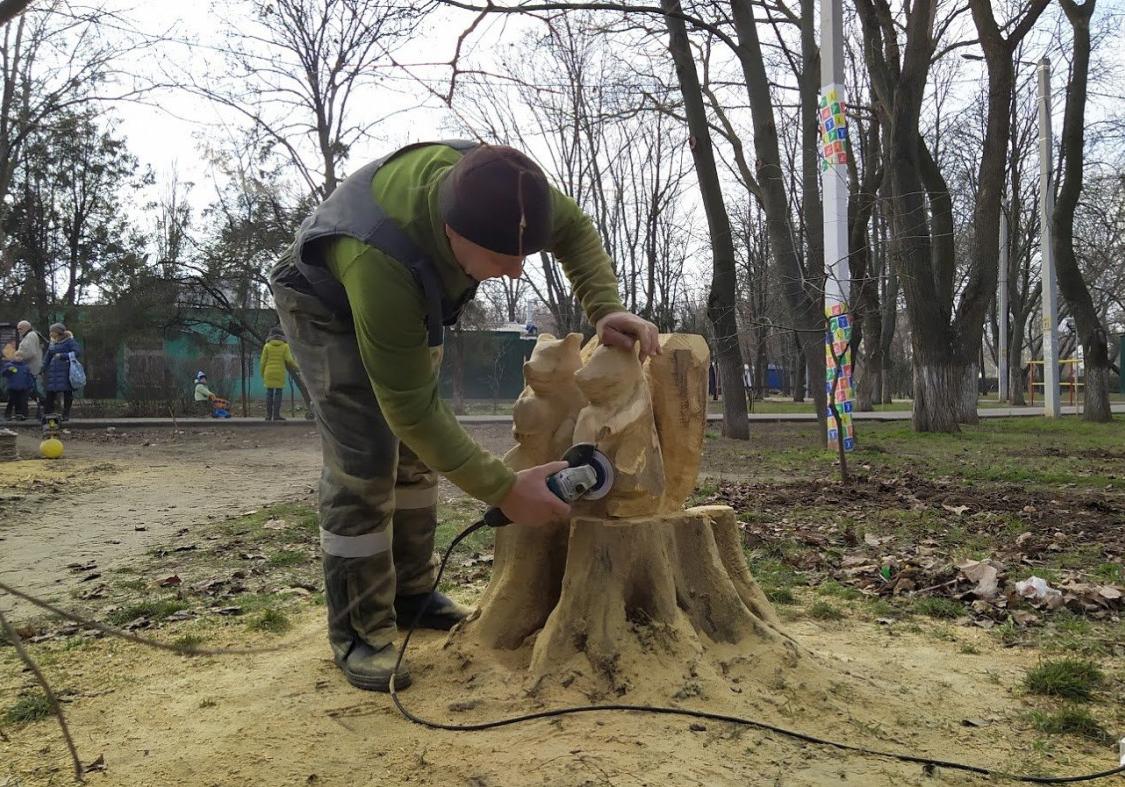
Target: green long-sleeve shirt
{"x":388,"y":310}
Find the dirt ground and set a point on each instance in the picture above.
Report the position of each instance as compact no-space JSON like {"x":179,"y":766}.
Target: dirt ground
{"x":944,"y":688}
{"x":116,"y":494}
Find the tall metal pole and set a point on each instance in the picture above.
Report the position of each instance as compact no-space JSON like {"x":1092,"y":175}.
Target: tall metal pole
{"x":834,"y":186}
{"x":1046,"y":250}
{"x":1002,"y":339}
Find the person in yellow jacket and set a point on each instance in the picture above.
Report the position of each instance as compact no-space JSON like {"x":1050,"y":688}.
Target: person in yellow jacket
{"x":276,"y":360}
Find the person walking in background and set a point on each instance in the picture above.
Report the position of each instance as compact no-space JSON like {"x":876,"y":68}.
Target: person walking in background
{"x":276,"y":360}
{"x":56,"y":368}
{"x":20,"y":381}
{"x":31,"y":348}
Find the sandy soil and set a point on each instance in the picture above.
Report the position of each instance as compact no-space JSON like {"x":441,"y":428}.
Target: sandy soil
{"x":114,"y":495}
{"x":285,"y":717}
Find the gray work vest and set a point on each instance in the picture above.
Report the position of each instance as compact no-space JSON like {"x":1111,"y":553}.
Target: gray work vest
{"x":352,"y":210}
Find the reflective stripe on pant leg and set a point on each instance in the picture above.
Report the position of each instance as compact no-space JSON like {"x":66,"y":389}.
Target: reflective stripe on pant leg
{"x":360,"y":453}
{"x":415,"y":521}
{"x":354,"y":546}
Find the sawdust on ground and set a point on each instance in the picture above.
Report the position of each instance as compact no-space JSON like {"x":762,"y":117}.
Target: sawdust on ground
{"x":286,"y":717}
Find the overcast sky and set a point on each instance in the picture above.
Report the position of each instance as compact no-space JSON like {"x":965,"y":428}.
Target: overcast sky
{"x":168,"y":136}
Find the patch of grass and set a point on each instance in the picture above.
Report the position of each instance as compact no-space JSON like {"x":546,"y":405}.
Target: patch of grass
{"x":1009,"y":633}
{"x":1082,"y":557}
{"x":156,"y":609}
{"x":882,"y":608}
{"x":1076,"y":635}
{"x":833,"y":588}
{"x":287,"y":557}
{"x":75,"y":643}
{"x":272,"y":621}
{"x":704,"y":490}
{"x":1071,"y":720}
{"x":822,"y":610}
{"x":780,"y":595}
{"x":938,"y":607}
{"x":774,"y":577}
{"x":1073,"y":679}
{"x":132,"y":584}
{"x":30,"y":706}
{"x":256,"y":602}
{"x":188,"y":642}
{"x":453,"y":517}
{"x":944,"y":632}
{"x":969,"y":649}
{"x":1113,"y":573}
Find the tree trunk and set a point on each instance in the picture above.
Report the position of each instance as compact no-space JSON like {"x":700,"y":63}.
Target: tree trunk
{"x":1016,"y":380}
{"x":939,"y":387}
{"x":1071,"y":282}
{"x":889,"y":318}
{"x":868,"y":391}
{"x":800,"y":369}
{"x":804,"y":298}
{"x":721,"y":299}
{"x":761,"y":371}
{"x":970,"y":393}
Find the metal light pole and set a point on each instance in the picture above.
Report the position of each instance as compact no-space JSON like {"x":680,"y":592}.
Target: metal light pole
{"x":834,"y":185}
{"x":1046,"y":250}
{"x":1002,"y":339}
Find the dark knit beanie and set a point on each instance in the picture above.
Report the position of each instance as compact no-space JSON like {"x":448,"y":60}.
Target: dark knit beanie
{"x":498,"y":198}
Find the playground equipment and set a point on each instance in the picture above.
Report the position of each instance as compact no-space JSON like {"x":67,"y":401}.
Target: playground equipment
{"x":1072,"y":381}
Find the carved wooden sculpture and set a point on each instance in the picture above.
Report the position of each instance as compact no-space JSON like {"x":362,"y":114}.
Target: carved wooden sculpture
{"x":632,"y":583}
{"x":528,"y":564}
{"x":619,"y":420}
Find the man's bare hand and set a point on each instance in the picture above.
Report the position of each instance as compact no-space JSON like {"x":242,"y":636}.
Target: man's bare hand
{"x":622,"y":329}
{"x":530,"y":502}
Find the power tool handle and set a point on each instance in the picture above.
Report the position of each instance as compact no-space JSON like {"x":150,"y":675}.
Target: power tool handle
{"x":494,"y":517}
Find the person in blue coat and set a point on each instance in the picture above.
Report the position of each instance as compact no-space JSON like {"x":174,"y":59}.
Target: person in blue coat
{"x":20,"y":381}
{"x":56,"y":369}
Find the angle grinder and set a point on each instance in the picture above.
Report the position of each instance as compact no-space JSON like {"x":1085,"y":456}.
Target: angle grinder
{"x":589,"y":477}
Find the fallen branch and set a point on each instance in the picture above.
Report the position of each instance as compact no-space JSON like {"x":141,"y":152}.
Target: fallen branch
{"x":56,"y":708}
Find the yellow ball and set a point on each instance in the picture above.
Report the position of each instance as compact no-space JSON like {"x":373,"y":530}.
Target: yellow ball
{"x":51,"y":448}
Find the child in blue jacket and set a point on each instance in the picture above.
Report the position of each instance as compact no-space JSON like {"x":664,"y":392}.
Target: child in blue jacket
{"x":21,"y":382}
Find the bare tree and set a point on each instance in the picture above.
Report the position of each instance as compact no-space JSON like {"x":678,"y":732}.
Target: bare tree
{"x":946,"y":330}
{"x":1091,"y":332}
{"x":303,"y":74}
{"x":10,"y":9}
{"x":720,"y":300}
{"x":54,"y":58}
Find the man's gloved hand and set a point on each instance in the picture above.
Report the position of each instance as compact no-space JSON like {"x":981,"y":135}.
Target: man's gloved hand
{"x":530,"y":502}
{"x":621,"y":329}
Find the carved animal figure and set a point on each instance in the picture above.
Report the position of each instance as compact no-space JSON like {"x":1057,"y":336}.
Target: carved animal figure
{"x":619,"y":420}
{"x":543,"y":417}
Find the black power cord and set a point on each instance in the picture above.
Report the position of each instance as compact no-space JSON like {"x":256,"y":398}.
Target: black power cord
{"x":928,"y":763}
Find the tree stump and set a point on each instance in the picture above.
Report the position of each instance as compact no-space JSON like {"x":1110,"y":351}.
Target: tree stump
{"x":633,"y":581}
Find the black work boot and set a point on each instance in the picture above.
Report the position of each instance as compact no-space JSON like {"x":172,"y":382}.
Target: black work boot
{"x":370,"y":669}
{"x":442,"y":612}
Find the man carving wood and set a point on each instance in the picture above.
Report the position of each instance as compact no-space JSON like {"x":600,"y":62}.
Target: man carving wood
{"x":363,"y":294}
